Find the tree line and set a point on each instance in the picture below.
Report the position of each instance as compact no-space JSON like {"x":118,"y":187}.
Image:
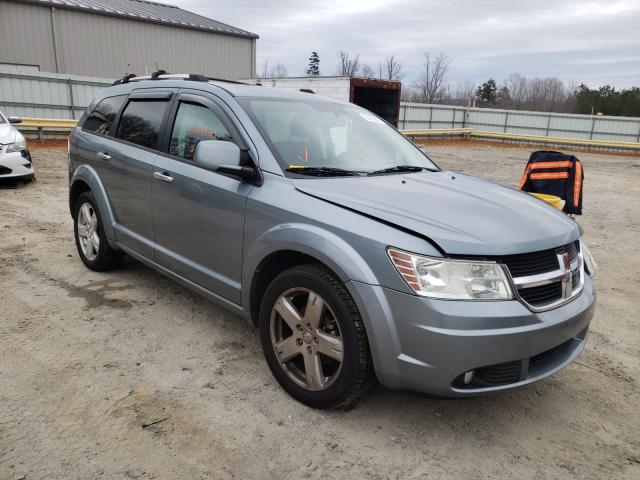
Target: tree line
{"x":517,"y":92}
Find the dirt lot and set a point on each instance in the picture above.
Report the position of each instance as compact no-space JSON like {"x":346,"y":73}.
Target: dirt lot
{"x":88,"y":361}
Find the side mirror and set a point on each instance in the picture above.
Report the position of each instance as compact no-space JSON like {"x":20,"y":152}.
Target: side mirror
{"x":224,"y":157}
{"x":15,"y":119}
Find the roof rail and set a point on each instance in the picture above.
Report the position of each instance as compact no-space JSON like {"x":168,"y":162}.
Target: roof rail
{"x":163,"y":75}
{"x":124,"y":79}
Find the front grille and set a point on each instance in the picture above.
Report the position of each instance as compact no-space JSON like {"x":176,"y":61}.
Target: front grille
{"x":542,"y":262}
{"x":525,"y":264}
{"x":575,"y":281}
{"x":542,"y":295}
{"x":501,"y":374}
{"x":512,"y":372}
{"x":541,"y":357}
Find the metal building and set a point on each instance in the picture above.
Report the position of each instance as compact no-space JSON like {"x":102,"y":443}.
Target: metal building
{"x":108,"y":38}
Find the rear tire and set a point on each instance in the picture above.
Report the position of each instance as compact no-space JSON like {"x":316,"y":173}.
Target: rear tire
{"x":91,"y":242}
{"x":314,"y":339}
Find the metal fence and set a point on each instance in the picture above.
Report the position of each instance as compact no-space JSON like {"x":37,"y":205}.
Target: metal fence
{"x":50,"y":95}
{"x":47,"y":95}
{"x":418,"y":116}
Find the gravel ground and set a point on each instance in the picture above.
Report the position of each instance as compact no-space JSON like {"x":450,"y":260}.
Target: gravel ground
{"x":88,"y":363}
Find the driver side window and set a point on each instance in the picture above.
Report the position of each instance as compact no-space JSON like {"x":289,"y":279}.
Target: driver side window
{"x":193,"y":124}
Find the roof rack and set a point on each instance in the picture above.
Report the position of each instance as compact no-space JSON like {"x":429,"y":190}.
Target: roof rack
{"x":163,"y":75}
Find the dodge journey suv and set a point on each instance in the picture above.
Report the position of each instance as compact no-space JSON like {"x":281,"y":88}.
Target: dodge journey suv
{"x":353,"y":253}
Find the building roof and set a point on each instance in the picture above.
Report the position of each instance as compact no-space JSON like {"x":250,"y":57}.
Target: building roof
{"x":146,"y":11}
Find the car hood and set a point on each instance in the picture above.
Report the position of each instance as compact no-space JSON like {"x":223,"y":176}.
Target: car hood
{"x":463,"y":215}
{"x":7,"y":133}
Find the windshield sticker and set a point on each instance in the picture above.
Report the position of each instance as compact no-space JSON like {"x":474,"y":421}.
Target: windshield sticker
{"x":305,"y":158}
{"x":370,"y":118}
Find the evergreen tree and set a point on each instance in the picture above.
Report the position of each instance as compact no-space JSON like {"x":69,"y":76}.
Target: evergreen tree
{"x":608,"y":101}
{"x":488,"y":91}
{"x":313,"y":70}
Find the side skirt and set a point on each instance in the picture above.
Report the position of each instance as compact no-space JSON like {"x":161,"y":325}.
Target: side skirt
{"x":223,"y":302}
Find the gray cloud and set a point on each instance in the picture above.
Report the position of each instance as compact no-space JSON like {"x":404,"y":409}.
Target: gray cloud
{"x":595,"y":42}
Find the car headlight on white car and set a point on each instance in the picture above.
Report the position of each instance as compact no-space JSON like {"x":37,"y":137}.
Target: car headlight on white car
{"x":17,"y":146}
{"x":451,"y":279}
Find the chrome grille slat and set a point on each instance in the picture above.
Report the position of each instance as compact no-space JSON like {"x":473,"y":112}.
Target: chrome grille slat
{"x":553,"y":287}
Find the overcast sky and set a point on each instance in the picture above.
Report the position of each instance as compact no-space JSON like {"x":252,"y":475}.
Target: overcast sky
{"x":595,"y":42}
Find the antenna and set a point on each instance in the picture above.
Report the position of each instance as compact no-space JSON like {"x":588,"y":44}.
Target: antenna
{"x":156,"y":63}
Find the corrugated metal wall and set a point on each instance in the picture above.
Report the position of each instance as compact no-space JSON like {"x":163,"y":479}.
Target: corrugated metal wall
{"x":102,"y":46}
{"x":47,"y":95}
{"x":418,"y":116}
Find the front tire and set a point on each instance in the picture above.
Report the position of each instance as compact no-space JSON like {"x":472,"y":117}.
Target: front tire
{"x":313,"y":338}
{"x":91,"y":242}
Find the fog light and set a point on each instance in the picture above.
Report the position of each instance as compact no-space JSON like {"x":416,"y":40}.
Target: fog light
{"x":468,"y":377}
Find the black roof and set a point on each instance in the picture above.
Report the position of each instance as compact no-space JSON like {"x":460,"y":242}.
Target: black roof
{"x":146,"y":11}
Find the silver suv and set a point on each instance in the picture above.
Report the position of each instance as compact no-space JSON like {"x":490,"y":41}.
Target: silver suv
{"x":352,"y":252}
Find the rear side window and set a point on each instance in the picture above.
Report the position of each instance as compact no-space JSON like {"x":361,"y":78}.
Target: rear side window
{"x":193,"y":124}
{"x":140,"y":122}
{"x":103,"y":115}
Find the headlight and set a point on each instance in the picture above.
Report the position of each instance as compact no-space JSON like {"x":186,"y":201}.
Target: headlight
{"x":452,"y":279}
{"x":589,"y":261}
{"x":17,"y":146}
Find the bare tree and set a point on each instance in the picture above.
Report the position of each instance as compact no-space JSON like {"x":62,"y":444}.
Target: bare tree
{"x":408,"y":94}
{"x":518,"y":87}
{"x":264,"y":71}
{"x":429,"y":85}
{"x":347,"y":66}
{"x":278,"y":71}
{"x":545,"y":94}
{"x":366,"y":71}
{"x":391,"y":69}
{"x":464,"y":92}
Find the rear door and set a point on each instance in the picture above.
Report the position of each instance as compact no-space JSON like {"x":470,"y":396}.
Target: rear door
{"x":199,"y":214}
{"x":126,"y":166}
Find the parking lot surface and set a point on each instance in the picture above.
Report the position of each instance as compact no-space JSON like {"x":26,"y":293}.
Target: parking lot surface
{"x":128,"y":375}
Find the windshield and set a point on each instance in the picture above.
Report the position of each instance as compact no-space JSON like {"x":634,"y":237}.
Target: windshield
{"x":331,"y":136}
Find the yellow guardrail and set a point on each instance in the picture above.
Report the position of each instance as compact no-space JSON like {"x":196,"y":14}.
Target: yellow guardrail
{"x":479,"y":134}
{"x":556,"y":140}
{"x":42,"y":124}
{"x":47,"y":122}
{"x":437,"y":131}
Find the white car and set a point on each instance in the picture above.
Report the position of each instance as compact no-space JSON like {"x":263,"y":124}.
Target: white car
{"x":15,"y":159}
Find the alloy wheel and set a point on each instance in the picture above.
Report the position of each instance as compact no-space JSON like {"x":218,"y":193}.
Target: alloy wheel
{"x":306,"y":338}
{"x":88,"y":231}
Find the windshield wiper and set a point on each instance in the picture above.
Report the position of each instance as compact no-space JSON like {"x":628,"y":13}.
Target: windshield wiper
{"x":398,"y":169}
{"x":323,"y":171}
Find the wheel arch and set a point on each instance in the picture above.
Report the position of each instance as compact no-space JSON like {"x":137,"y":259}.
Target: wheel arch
{"x":77,"y":188}
{"x":84,"y":179}
{"x":286,"y":246}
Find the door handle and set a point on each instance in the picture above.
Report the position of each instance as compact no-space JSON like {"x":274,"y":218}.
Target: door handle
{"x":164,"y":176}
{"x":104,"y":156}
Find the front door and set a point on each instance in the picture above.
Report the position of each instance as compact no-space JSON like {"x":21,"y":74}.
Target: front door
{"x":198,"y":214}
